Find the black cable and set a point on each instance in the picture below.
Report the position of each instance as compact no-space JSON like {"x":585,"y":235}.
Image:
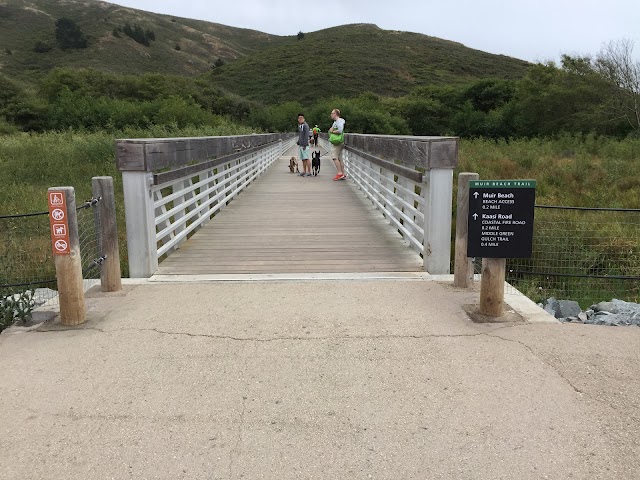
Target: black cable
{"x":21,"y":215}
{"x":574,"y":275}
{"x":35,"y":282}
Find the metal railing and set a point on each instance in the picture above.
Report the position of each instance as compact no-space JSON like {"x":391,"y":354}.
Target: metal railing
{"x":184,"y":204}
{"x":412,"y":186}
{"x":173,"y":187}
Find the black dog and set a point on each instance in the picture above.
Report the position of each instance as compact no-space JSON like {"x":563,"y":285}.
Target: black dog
{"x":315,"y":163}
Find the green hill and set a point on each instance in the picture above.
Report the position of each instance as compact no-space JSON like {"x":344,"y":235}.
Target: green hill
{"x":351,"y":59}
{"x":182,"y":46}
{"x":340,"y":61}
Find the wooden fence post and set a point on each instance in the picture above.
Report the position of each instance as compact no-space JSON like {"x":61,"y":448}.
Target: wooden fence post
{"x":492,"y":286}
{"x":110,"y":276}
{"x":67,"y":258}
{"x":463,"y":266}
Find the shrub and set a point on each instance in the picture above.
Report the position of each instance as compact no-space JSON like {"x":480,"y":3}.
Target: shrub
{"x":69,"y":35}
{"x":16,"y":307}
{"x":42,"y":47}
{"x":139,"y":34}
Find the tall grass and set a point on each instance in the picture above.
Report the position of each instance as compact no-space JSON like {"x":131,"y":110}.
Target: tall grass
{"x":585,"y":171}
{"x":31,"y":163}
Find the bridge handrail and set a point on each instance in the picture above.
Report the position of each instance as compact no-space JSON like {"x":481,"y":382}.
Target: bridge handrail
{"x":410,"y":180}
{"x":163,"y":208}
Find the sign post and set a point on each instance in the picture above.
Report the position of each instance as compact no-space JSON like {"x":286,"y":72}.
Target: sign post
{"x":65,"y":244}
{"x":500,"y":225}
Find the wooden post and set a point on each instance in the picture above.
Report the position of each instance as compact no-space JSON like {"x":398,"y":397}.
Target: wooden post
{"x":437,"y":192}
{"x":69,"y":264}
{"x":492,"y":286}
{"x":463,"y":267}
{"x":110,"y":276}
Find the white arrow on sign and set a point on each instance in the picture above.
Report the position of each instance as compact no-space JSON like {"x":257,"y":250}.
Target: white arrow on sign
{"x":476,"y":194}
{"x":475,"y":216}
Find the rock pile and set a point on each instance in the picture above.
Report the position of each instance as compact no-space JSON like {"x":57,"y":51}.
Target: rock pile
{"x":613,"y":313}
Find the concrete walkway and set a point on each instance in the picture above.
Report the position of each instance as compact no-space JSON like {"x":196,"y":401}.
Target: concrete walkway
{"x":316,"y":380}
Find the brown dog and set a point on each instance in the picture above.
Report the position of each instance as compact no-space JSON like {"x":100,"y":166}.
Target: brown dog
{"x":293,"y":165}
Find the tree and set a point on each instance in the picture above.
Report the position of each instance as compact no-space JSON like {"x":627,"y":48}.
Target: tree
{"x":139,"y":34}
{"x":218,"y":63}
{"x":69,"y":35}
{"x":300,"y":35}
{"x":616,"y":65}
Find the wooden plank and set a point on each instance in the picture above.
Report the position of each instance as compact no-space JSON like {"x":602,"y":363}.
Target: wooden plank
{"x":130,"y":156}
{"x":411,"y":152}
{"x":406,"y":172}
{"x":154,"y":154}
{"x":192,"y":170}
{"x":287,"y":224}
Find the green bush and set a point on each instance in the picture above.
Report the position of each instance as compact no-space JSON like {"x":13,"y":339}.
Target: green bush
{"x":15,"y":307}
{"x":69,"y":35}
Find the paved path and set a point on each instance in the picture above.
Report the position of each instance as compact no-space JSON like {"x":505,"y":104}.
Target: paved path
{"x":316,"y":380}
{"x":287,"y":224}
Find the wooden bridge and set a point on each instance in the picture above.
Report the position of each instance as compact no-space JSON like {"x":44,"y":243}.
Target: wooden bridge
{"x":222,"y":207}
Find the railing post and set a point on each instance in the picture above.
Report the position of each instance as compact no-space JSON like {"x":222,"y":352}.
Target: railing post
{"x":110,"y":275}
{"x":140,"y":219}
{"x":437,"y":220}
{"x":69,"y":262}
{"x":463,"y":266}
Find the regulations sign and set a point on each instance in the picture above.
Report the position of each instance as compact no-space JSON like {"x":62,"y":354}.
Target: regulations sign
{"x":501,"y":218}
{"x":59,"y":223}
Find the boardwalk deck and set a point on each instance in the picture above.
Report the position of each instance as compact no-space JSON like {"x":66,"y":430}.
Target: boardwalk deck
{"x":287,"y":224}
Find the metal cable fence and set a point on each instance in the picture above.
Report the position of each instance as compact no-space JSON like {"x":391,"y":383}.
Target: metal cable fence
{"x":27,"y":272}
{"x":584,"y":254}
{"x":27,"y":268}
{"x":90,"y":248}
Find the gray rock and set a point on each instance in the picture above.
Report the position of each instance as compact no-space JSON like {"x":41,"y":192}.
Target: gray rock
{"x":568,"y":308}
{"x":582,"y":316}
{"x":605,"y":307}
{"x":552,"y":306}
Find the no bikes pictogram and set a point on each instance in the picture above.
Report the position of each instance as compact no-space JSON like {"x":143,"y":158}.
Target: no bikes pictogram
{"x":61,"y":245}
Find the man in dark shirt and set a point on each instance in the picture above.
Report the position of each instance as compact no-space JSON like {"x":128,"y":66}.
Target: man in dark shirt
{"x":303,"y":144}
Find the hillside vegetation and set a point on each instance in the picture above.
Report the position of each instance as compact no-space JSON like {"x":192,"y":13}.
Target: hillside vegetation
{"x":344,"y":60}
{"x":181,"y":46}
{"x":351,"y":59}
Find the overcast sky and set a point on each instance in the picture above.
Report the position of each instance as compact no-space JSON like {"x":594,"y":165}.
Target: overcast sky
{"x":534,"y":30}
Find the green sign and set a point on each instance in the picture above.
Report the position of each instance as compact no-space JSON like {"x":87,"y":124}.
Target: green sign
{"x":502,"y":184}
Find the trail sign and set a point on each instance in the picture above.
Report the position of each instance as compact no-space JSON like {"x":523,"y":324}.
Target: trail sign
{"x":501,"y":214}
{"x":59,"y":223}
